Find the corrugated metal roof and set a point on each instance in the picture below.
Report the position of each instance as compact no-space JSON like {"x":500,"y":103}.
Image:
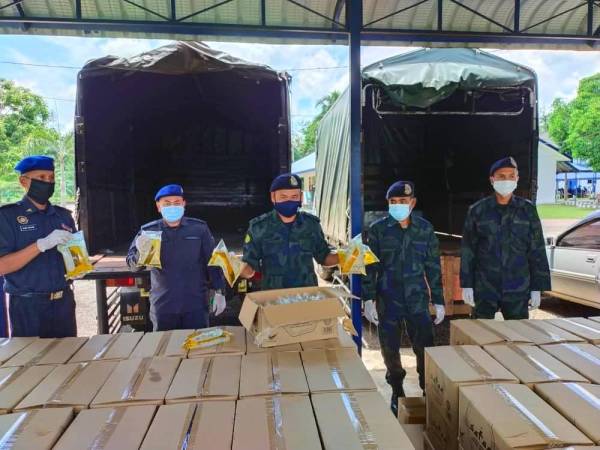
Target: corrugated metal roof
{"x":384,"y":21}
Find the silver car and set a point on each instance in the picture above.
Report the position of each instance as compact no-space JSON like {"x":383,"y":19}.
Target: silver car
{"x":574,"y":258}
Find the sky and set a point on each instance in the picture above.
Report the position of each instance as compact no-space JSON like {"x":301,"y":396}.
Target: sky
{"x":316,"y":70}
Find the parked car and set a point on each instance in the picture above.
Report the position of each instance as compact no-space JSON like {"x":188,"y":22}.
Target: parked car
{"x":574,"y":258}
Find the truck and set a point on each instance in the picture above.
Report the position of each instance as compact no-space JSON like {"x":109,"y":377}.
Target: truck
{"x":439,"y":118}
{"x":186,"y":114}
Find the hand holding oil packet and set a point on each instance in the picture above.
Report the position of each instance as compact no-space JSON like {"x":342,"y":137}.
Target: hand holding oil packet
{"x":75,"y":256}
{"x":148,"y":244}
{"x":229,"y":262}
{"x":355,"y":257}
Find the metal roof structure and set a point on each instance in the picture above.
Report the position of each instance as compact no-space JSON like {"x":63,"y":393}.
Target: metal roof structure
{"x":497,"y":23}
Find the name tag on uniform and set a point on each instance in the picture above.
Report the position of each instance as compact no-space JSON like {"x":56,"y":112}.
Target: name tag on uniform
{"x":28,"y":227}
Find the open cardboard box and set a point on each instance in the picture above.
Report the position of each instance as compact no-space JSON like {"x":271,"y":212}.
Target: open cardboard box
{"x":542,"y":332}
{"x":205,"y":426}
{"x":17,"y":382}
{"x":483,"y":332}
{"x":343,"y":340}
{"x":270,"y":373}
{"x":236,"y":346}
{"x":108,"y":429}
{"x":34,"y":430}
{"x":512,"y":416}
{"x":9,"y":347}
{"x":251,"y":346}
{"x":280,"y":324}
{"x":207,"y":378}
{"x":47,"y":351}
{"x":583,"y":358}
{"x":585,"y":328}
{"x":162,"y":343}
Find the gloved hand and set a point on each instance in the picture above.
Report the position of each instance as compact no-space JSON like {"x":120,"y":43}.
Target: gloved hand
{"x":536,"y":299}
{"x":53,"y":239}
{"x":371,"y":312}
{"x":143,"y":243}
{"x":440,"y":313}
{"x":468,"y":296}
{"x":218,"y":304}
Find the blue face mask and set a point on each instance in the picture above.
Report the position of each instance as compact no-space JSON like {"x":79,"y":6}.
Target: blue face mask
{"x":288,"y":208}
{"x":399,"y":212}
{"x":172,"y":213}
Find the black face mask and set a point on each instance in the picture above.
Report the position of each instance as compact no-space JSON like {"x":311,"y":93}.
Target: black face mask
{"x":40,"y":191}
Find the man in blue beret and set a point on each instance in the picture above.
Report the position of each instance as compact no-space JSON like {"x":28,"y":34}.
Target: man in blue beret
{"x":503,"y":256}
{"x":400,"y":287}
{"x":41,"y":301}
{"x":282,"y":243}
{"x":179,"y":296}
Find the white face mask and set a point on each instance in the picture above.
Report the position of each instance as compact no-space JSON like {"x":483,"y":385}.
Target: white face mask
{"x":505,"y":187}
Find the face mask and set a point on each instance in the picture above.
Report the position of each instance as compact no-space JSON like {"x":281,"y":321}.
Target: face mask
{"x":172,"y":213}
{"x":287,"y":209}
{"x":40,"y":191}
{"x":399,"y":212}
{"x":505,"y":187}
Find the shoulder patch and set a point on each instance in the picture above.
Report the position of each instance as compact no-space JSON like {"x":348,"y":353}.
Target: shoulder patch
{"x":248,"y":238}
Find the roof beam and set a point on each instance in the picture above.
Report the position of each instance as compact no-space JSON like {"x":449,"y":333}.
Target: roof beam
{"x":483,"y":16}
{"x":202,"y":11}
{"x":143,"y":8}
{"x":395,"y":13}
{"x":14,"y":3}
{"x":566,"y":11}
{"x":337,"y":10}
{"x":517,"y":17}
{"x":317,"y":13}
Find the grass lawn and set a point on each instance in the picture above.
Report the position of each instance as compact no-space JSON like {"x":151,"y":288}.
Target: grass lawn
{"x":562,"y":212}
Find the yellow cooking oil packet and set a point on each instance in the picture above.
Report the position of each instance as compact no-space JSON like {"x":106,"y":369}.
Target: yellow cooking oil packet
{"x":355,"y":257}
{"x":229,"y":262}
{"x":206,"y":338}
{"x":150,"y":256}
{"x":76,"y":257}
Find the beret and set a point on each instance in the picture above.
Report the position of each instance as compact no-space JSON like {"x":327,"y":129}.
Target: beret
{"x":401,"y":189}
{"x":169,"y":189}
{"x":37,"y":162}
{"x":502,"y":163}
{"x":286,"y":181}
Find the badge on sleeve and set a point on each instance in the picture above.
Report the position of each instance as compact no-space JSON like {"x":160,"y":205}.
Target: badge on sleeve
{"x":247,"y":239}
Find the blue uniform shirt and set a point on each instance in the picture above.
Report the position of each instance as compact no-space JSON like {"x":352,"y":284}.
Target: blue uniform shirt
{"x":182,"y":284}
{"x":22,"y":224}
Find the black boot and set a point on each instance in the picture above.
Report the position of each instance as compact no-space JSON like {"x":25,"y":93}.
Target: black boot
{"x":396,"y":392}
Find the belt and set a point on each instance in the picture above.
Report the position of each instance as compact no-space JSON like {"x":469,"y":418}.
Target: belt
{"x":51,"y":295}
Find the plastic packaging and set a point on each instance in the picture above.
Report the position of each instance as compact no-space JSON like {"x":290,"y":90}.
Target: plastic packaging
{"x":229,"y":262}
{"x":298,"y":298}
{"x":206,"y":338}
{"x":75,"y":256}
{"x":151,"y":256}
{"x":355,"y":257}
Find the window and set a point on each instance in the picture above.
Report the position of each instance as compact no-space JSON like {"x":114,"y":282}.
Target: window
{"x":587,"y":236}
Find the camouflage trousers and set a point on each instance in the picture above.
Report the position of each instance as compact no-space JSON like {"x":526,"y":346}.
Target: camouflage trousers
{"x":420,"y":331}
{"x":511,"y":310}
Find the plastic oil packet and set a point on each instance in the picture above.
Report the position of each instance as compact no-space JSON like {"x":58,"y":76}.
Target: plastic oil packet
{"x":229,"y":262}
{"x":151,"y":256}
{"x":298,"y":298}
{"x":355,"y":257}
{"x":206,"y":338}
{"x":75,"y":256}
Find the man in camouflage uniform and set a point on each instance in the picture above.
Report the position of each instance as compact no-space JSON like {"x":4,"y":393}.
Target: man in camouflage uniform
{"x":503,"y":259}
{"x":282,"y":243}
{"x":396,"y":289}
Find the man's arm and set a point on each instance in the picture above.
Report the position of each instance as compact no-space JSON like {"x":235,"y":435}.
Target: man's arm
{"x":537,"y":258}
{"x":133,"y":254}
{"x":11,"y":260}
{"x":433,"y":270}
{"x":215,"y":274}
{"x":467,"y":252}
{"x":323,"y":253}
{"x":369,"y":284}
{"x":252,"y":254}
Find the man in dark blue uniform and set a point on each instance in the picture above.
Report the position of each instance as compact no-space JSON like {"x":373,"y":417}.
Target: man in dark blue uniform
{"x":41,"y":300}
{"x":179,"y":293}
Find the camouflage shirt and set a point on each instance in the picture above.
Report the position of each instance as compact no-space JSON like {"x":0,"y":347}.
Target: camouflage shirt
{"x":283,"y":253}
{"x":409,"y":262}
{"x":503,"y":255}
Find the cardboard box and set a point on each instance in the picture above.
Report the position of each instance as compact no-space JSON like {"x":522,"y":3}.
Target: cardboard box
{"x":295,"y":322}
{"x":446,"y":369}
{"x":29,"y":430}
{"x":532,"y":365}
{"x":272,"y":373}
{"x":73,"y":385}
{"x":579,"y":403}
{"x":102,"y":347}
{"x":358,"y":420}
{"x":108,"y":429}
{"x":412,"y":410}
{"x":343,"y":340}
{"x":276,"y":422}
{"x":236,"y":346}
{"x":427,"y":445}
{"x":595,"y":319}
{"x":483,"y":332}
{"x":542,"y":332}
{"x":336,"y":370}
{"x":251,"y":347}
{"x":137,"y":381}
{"x":9,"y":347}
{"x":17,"y":382}
{"x":206,"y":379}
{"x":162,"y":343}
{"x":585,"y":328}
{"x":512,"y":416}
{"x":583,"y":358}
{"x":47,"y":351}
{"x":206,"y":426}
{"x":415,"y":434}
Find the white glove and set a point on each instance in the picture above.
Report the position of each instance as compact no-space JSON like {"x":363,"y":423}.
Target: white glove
{"x":371,"y":312}
{"x":53,"y":239}
{"x":143,"y":243}
{"x":218,"y":304}
{"x":536,"y":299}
{"x":468,"y":296}
{"x":440,"y":313}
